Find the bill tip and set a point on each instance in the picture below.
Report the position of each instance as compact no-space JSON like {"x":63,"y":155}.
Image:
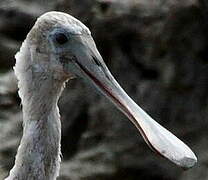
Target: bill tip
{"x":188,"y":162}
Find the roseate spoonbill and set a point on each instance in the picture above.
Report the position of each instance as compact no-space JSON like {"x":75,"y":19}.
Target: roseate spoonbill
{"x":57,"y":48}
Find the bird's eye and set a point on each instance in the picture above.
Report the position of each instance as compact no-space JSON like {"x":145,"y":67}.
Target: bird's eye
{"x":61,"y":38}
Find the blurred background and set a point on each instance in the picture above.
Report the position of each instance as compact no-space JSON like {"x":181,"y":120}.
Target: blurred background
{"x":156,"y":49}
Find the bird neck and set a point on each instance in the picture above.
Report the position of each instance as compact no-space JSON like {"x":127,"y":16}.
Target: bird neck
{"x":38,"y":156}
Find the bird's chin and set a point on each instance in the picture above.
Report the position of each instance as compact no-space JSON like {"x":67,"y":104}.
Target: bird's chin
{"x":62,"y":75}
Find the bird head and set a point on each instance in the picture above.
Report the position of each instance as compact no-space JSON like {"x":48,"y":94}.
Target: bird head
{"x":61,"y":47}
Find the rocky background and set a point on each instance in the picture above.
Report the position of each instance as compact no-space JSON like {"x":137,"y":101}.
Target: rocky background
{"x":157,"y":50}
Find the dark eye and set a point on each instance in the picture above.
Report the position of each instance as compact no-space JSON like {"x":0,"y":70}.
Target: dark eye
{"x":61,"y":38}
